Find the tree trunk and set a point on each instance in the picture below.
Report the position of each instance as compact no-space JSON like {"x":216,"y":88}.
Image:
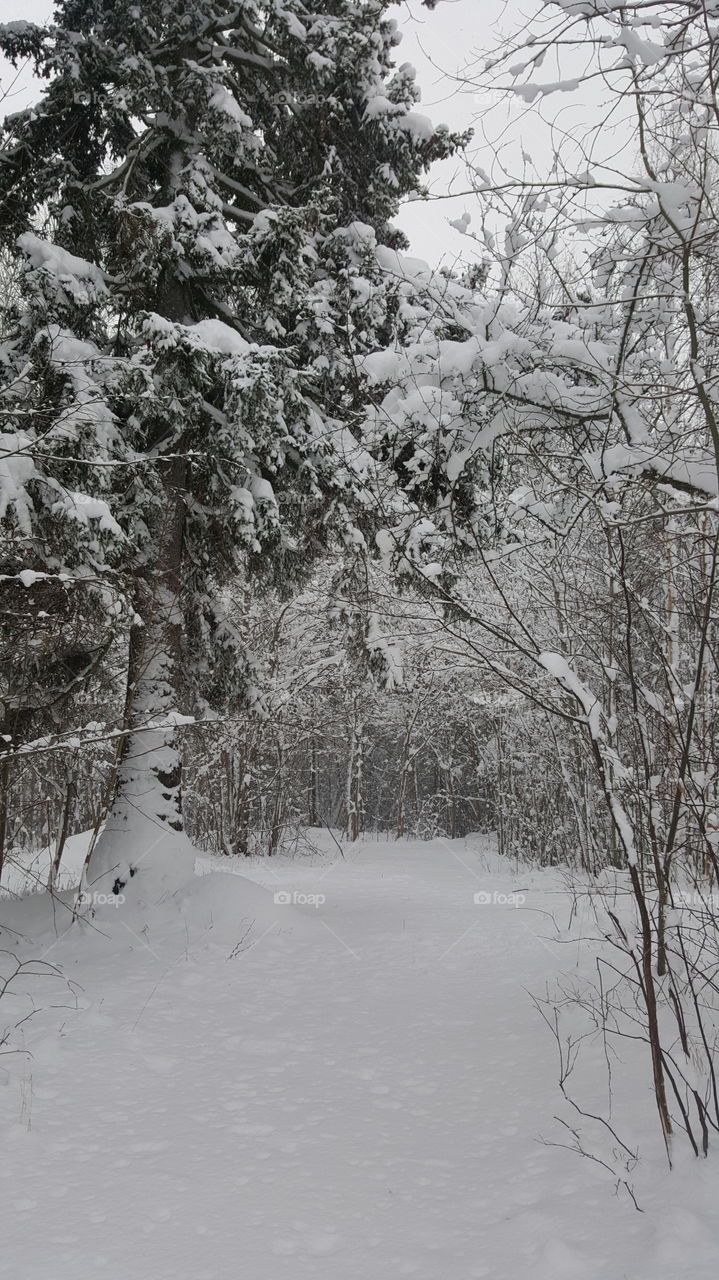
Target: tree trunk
{"x":70,"y":794}
{"x":355,"y":803}
{"x":404,"y":771}
{"x":143,"y":836}
{"x":276,"y":825}
{"x":313,"y":787}
{"x":4,"y":789}
{"x":143,"y":839}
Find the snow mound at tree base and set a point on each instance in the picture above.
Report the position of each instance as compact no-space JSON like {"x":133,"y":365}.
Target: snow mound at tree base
{"x":217,"y":909}
{"x":139,"y":864}
{"x":230,"y":908}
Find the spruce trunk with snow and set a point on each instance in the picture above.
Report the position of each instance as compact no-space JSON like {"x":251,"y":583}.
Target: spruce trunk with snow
{"x":145,"y":819}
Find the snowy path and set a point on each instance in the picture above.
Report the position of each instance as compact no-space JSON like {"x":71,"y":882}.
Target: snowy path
{"x":360,"y":1103}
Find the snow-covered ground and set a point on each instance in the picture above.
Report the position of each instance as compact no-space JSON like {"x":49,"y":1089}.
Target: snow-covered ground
{"x":28,"y":872}
{"x":353,"y":1085}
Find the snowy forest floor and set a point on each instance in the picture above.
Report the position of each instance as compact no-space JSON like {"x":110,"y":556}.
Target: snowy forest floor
{"x":360,"y":1089}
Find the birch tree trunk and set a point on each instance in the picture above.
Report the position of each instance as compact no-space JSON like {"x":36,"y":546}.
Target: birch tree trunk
{"x":313,"y":786}
{"x":355,"y":769}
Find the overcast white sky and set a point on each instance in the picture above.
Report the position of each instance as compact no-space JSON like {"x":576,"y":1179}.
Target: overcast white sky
{"x":437,"y":43}
{"x":440,"y":43}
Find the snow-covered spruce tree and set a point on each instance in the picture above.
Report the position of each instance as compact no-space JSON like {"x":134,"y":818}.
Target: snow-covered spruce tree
{"x":198,"y":199}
